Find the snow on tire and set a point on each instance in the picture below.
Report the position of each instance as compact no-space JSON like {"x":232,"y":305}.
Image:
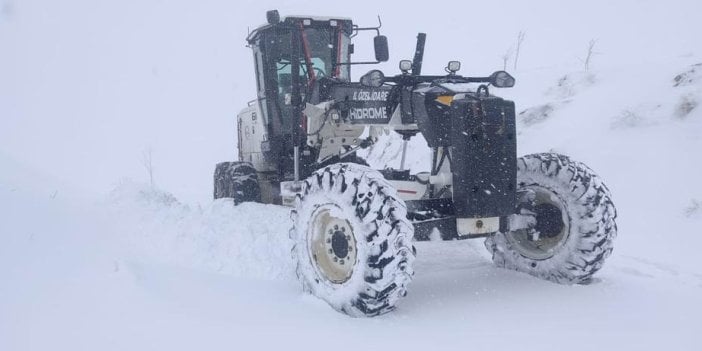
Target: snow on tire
{"x":352,"y":240}
{"x":575,"y":222}
{"x":238,"y":181}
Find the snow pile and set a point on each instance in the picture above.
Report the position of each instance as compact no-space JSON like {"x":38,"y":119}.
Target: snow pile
{"x":249,"y":240}
{"x":387,"y":153}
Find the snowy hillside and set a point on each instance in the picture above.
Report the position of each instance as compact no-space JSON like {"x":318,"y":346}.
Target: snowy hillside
{"x":93,"y":258}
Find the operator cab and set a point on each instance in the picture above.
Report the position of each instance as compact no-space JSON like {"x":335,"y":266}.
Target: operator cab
{"x":297,"y":59}
{"x":324,"y":52}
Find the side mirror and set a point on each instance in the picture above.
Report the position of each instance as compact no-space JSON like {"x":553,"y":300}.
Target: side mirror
{"x":374,"y":78}
{"x":382,"y":54}
{"x":501,"y":79}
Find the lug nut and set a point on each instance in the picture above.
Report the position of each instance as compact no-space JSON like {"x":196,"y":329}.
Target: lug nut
{"x":336,"y":227}
{"x":328,"y":240}
{"x":341,"y":262}
{"x":336,"y":259}
{"x":343,"y":229}
{"x":330,"y":251}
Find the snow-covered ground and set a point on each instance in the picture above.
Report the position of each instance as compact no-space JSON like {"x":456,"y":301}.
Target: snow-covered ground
{"x":91,"y":260}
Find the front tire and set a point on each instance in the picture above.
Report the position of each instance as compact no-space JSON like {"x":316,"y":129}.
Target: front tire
{"x":574,"y":222}
{"x":352,"y":240}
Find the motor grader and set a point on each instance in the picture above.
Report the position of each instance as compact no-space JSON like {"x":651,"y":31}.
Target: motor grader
{"x":353,"y":227}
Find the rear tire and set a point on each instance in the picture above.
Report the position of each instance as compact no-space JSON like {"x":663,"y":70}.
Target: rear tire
{"x":238,"y":181}
{"x":352,"y":240}
{"x":575,"y":219}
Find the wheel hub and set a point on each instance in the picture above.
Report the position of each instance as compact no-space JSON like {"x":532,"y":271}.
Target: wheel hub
{"x":550,"y":231}
{"x":332,"y":245}
{"x":339,"y":243}
{"x":549,"y":220}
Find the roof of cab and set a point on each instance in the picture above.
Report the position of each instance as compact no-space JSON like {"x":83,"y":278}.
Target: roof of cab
{"x":292,"y":20}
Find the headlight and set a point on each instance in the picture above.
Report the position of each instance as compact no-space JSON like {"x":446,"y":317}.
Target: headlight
{"x":374,"y":78}
{"x":502,"y":79}
{"x":453,"y":66}
{"x":405,"y":66}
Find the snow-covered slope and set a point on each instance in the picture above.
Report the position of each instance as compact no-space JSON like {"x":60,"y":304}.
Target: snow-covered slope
{"x":90,"y":260}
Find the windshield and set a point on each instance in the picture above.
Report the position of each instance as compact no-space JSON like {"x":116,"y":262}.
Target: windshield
{"x":325,"y":52}
{"x":324,"y":49}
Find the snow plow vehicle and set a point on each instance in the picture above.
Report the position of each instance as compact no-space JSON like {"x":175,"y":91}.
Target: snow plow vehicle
{"x":354,"y":227}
